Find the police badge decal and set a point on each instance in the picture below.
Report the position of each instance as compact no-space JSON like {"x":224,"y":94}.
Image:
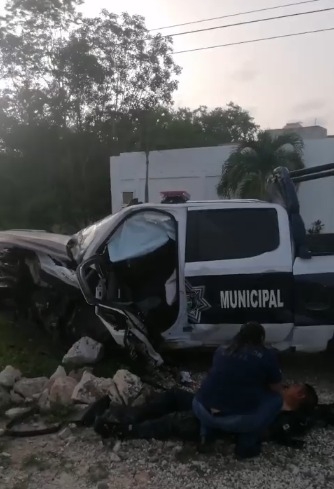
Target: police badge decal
{"x":196,"y":302}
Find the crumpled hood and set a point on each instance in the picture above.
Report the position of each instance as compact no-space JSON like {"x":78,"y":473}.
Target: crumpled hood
{"x":37,"y":241}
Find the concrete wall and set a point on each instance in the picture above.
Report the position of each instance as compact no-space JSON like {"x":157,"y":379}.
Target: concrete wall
{"x":198,"y":170}
{"x":310,"y":132}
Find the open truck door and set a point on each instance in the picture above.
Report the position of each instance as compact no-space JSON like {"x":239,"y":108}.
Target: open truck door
{"x":313,"y":264}
{"x":132,"y":279}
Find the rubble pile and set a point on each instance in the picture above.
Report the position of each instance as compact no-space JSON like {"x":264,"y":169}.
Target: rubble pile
{"x":78,"y":386}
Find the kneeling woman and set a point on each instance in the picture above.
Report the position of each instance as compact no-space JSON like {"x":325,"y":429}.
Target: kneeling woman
{"x":242,"y":392}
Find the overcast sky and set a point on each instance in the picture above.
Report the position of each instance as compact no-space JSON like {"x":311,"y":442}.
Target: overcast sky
{"x":277,"y":81}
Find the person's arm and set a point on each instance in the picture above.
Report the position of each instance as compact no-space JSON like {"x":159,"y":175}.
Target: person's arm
{"x":274,"y":373}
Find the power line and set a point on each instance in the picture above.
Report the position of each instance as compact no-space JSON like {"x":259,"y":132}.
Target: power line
{"x":236,"y":14}
{"x":295,"y":34}
{"x":254,"y":21}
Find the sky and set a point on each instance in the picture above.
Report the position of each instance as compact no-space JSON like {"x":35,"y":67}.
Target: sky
{"x":278,"y":81}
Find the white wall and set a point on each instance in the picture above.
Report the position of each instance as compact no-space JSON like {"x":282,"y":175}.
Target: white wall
{"x":198,"y":170}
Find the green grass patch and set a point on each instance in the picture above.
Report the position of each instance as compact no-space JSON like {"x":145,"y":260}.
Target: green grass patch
{"x":28,"y":348}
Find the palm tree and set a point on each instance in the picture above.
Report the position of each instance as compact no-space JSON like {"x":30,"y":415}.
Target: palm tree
{"x":248,"y":167}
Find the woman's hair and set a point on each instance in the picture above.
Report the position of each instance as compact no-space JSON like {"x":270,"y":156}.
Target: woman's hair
{"x":250,"y":334}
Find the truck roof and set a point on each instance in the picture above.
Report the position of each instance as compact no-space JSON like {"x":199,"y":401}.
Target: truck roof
{"x":207,"y":203}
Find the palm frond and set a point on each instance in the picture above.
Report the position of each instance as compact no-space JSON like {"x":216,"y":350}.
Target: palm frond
{"x":251,"y":187}
{"x":292,"y":160}
{"x":237,"y":166}
{"x":249,"y":165}
{"x":291,"y":139}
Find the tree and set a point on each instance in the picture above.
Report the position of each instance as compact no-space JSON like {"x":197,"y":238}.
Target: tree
{"x":69,"y":86}
{"x":158,"y":128}
{"x":75,"y":91}
{"x":245,"y":173}
{"x":186,"y":128}
{"x":150,"y":133}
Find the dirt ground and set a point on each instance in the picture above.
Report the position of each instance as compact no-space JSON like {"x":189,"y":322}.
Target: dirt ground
{"x":76,"y":458}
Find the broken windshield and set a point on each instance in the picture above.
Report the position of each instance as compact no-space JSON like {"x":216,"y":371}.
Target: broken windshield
{"x":79,"y":243}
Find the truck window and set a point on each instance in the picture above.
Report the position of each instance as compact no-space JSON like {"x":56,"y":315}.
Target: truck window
{"x":229,"y":234}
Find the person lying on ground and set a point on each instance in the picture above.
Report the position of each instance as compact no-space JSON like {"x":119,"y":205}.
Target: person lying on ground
{"x":168,"y":415}
{"x":242,"y":392}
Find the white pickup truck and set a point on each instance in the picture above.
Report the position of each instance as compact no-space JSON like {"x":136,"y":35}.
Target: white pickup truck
{"x":187,"y":275}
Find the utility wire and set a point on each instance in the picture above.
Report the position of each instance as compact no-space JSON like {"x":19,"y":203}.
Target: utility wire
{"x":236,"y":14}
{"x":295,"y":34}
{"x":254,"y":21}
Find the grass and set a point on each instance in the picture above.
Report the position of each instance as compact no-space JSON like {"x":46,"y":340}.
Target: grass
{"x":35,"y":353}
{"x":28,"y":348}
{"x":32,"y":350}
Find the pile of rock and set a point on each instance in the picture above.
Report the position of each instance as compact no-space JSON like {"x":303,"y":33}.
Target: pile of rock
{"x":62,"y":389}
{"x":78,"y":386}
{"x":8,"y":377}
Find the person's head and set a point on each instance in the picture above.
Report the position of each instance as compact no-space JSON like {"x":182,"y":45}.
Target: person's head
{"x":250,"y":334}
{"x":301,"y":397}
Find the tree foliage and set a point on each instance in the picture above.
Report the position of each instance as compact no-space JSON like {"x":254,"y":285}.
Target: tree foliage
{"x":247,"y":169}
{"x":75,"y":91}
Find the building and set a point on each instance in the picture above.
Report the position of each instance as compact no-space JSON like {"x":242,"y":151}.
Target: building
{"x":308,"y":132}
{"x":198,"y":170}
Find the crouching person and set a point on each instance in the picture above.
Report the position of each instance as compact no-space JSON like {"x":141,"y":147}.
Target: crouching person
{"x":242,"y":392}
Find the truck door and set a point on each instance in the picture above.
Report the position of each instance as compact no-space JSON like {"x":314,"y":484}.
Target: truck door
{"x":238,"y":268}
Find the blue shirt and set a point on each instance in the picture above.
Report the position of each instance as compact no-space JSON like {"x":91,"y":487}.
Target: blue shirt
{"x":237,"y":381}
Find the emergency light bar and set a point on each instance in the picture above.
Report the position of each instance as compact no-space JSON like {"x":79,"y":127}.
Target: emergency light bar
{"x":174,"y":197}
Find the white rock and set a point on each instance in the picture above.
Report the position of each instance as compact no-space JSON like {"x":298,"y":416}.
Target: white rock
{"x":78,"y":373}
{"x":117,"y":446}
{"x":44,"y":402}
{"x":62,"y":390}
{"x":16,"y":412}
{"x":60,"y":373}
{"x":4,"y":398}
{"x":92,"y":388}
{"x":114,"y":457}
{"x":65,"y":433}
{"x":16,"y":398}
{"x":9,"y":376}
{"x":129,"y":386}
{"x":84,"y":352}
{"x":28,"y":388}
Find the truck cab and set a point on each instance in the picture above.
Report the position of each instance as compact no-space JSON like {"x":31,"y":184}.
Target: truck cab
{"x":184,"y":274}
{"x":188,"y":275}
